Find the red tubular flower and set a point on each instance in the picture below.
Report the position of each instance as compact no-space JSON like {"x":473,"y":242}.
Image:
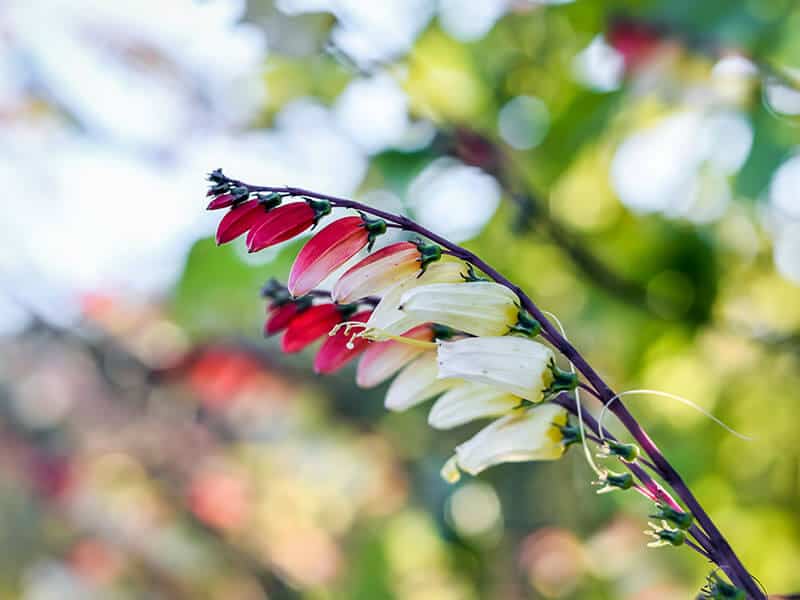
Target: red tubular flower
{"x":330,"y":249}
{"x":339,"y":349}
{"x":383,"y":359}
{"x":222,"y":201}
{"x":239,"y":219}
{"x":281,"y":224}
{"x":310,"y":325}
{"x":378,"y":272}
{"x":280,"y":315}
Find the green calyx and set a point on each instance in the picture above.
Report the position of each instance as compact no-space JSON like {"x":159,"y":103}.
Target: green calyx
{"x":240,"y":193}
{"x":627,"y":452}
{"x":276,"y":291}
{"x":563,"y":381}
{"x":472,"y":275}
{"x":374,"y":227}
{"x":428,"y":253}
{"x":270,"y":201}
{"x":623,"y":481}
{"x":679,"y":518}
{"x":442,"y":332}
{"x":527,"y":325}
{"x":675,"y":537}
{"x":347,"y":310}
{"x":217,"y":176}
{"x":570,"y":434}
{"x":320,"y":208}
{"x":717,"y":589}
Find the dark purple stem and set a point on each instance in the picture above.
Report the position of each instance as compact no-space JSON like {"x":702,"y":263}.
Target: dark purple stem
{"x":720,"y":551}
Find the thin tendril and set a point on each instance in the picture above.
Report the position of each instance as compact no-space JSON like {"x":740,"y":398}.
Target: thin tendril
{"x":587,"y":453}
{"x":680,"y":399}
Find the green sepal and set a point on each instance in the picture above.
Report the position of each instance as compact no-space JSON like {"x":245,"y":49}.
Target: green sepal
{"x":570,"y":434}
{"x":428,"y":253}
{"x":526,"y":324}
{"x":347,"y":310}
{"x":472,"y":275}
{"x":626,"y":452}
{"x":375,"y":227}
{"x":320,"y":208}
{"x":442,"y":332}
{"x":681,"y":520}
{"x":217,"y":176}
{"x":271,"y":200}
{"x":623,"y":481}
{"x":276,"y":291}
{"x":219,"y":188}
{"x":676,"y":537}
{"x":717,"y":589}
{"x":240,"y":193}
{"x":563,"y":381}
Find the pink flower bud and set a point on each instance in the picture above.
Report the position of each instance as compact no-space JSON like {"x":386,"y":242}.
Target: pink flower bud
{"x":223,"y":201}
{"x":280,"y":316}
{"x":340,"y":348}
{"x":239,"y":219}
{"x":309,"y":326}
{"x":325,"y":252}
{"x":281,"y":224}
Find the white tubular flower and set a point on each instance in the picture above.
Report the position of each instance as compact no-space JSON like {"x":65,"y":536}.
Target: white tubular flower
{"x":516,"y":365}
{"x":417,"y":382}
{"x":468,"y":402}
{"x":526,"y":434}
{"x":477,"y":307}
{"x":388,"y":319}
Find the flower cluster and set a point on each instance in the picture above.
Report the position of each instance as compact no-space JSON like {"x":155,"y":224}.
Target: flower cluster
{"x":446,"y":325}
{"x":412,"y":312}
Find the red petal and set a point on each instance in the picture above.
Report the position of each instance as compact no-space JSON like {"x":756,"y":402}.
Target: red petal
{"x":280,"y":224}
{"x":325,"y":252}
{"x":309,"y":326}
{"x":334,"y":353}
{"x":280,"y":317}
{"x":223,"y":201}
{"x":239,"y":219}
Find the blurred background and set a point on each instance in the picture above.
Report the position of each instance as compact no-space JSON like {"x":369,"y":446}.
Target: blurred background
{"x":633,"y":165}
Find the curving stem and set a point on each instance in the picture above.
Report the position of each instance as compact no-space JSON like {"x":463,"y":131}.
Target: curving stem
{"x":719,"y":549}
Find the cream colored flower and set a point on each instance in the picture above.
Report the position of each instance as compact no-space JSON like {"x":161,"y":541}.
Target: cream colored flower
{"x":417,"y":382}
{"x":468,"y":402}
{"x":526,"y":434}
{"x":516,"y":365}
{"x":388,"y":319}
{"x":477,"y":307}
